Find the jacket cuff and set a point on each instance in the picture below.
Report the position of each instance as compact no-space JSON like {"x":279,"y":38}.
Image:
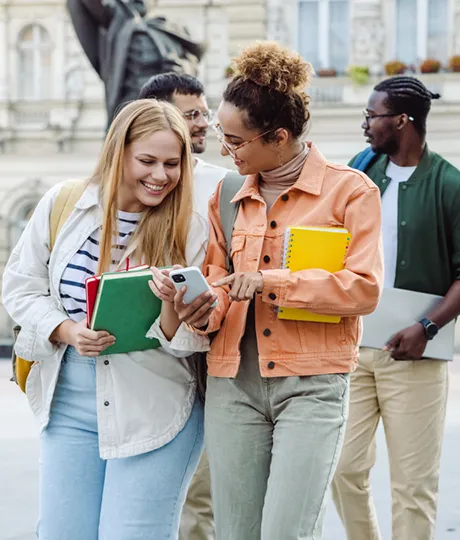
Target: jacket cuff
{"x":184,"y":343}
{"x":33,"y":343}
{"x":274,"y":290}
{"x":213,"y":325}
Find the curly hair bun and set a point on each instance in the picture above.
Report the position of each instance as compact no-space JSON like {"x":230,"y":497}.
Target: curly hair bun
{"x":269,"y":64}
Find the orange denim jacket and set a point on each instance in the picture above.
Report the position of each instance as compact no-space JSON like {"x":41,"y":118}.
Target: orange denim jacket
{"x":325,"y":195}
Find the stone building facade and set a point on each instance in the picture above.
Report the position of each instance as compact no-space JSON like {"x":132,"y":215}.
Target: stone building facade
{"x":52,"y":116}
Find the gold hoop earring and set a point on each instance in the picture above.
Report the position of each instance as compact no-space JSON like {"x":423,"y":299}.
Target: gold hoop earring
{"x":280,"y":156}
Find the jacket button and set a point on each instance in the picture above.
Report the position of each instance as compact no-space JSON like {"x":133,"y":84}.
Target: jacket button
{"x":267,"y":332}
{"x":403,"y":223}
{"x":272,"y":296}
{"x":285,"y":197}
{"x":266,"y":259}
{"x":403,"y":263}
{"x":271,"y":365}
{"x":273,"y":224}
{"x":106,"y":362}
{"x":106,"y":403}
{"x":404,"y":187}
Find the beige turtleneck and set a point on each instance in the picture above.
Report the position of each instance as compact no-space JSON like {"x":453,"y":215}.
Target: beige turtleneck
{"x":273,"y":183}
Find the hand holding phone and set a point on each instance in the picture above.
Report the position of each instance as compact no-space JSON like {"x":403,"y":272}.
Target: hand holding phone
{"x":194,"y":280}
{"x":162,"y":285}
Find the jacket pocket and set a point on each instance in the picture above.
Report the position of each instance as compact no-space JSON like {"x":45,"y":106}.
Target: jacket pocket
{"x":311,"y":336}
{"x":238,"y":244}
{"x":349,"y":330}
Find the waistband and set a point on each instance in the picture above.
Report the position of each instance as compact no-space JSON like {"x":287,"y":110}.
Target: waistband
{"x":71,"y":355}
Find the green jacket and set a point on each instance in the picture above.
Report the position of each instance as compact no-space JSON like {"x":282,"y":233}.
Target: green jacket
{"x":429,"y":223}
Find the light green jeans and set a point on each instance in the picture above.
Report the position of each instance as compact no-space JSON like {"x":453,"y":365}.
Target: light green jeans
{"x":273,"y":446}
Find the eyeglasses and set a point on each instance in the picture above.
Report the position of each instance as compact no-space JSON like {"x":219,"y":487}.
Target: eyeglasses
{"x":196,"y":115}
{"x":233,"y":148}
{"x":368,"y":116}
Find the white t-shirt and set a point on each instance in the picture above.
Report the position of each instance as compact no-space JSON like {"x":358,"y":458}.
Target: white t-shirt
{"x":206,"y":178}
{"x":390,"y":219}
{"x":84,"y":264}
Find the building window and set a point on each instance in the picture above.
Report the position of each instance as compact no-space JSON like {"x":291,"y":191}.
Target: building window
{"x":421,"y":30}
{"x":35,"y":56}
{"x":437,"y":39}
{"x":323,"y":33}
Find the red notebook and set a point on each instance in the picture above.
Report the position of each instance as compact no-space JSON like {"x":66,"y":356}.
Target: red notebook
{"x":92,"y":286}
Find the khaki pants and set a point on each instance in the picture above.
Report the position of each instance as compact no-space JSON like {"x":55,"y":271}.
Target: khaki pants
{"x":197,"y":521}
{"x":410,"y":397}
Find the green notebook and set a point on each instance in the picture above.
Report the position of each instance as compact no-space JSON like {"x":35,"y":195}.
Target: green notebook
{"x":126,"y":308}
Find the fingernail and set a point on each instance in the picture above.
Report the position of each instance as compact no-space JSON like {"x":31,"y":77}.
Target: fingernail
{"x":184,"y":288}
{"x":209,"y":294}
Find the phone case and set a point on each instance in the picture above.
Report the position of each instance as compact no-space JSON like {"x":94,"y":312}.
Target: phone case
{"x":194,"y":281}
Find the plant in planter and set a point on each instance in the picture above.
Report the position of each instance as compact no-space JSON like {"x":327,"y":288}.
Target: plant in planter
{"x":395,"y":68}
{"x":454,"y":63}
{"x":229,"y":71}
{"x":430,"y":66}
{"x":330,"y":72}
{"x":359,"y":74}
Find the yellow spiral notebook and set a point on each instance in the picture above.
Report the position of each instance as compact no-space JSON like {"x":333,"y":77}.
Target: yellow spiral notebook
{"x":314,"y":247}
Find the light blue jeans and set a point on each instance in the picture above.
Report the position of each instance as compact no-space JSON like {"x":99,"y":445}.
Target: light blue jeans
{"x":83,"y":497}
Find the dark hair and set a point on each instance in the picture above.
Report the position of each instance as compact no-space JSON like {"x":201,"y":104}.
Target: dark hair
{"x":410,"y":96}
{"x":269,"y":86}
{"x":165,"y":85}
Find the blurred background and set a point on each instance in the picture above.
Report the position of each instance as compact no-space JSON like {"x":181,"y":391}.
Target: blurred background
{"x":52,"y":123}
{"x":52,"y":116}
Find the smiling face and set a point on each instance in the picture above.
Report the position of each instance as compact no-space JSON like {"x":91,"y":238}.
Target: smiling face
{"x":151,"y":171}
{"x":198,"y":127}
{"x":250,"y":153}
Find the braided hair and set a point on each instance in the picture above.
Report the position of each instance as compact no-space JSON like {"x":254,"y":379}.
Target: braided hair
{"x":408,"y":95}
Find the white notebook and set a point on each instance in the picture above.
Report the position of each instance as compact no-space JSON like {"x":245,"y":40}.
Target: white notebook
{"x":399,"y":309}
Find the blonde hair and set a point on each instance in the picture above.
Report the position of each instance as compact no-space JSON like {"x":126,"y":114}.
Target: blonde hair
{"x":161,"y":235}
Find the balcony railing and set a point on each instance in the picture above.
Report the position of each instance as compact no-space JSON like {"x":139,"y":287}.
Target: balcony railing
{"x":327,"y":91}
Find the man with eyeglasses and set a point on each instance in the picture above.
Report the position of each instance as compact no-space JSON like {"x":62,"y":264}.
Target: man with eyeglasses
{"x":187,"y":94}
{"x":421,"y":239}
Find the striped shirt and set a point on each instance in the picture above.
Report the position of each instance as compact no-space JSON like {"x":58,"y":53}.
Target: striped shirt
{"x":84,"y":265}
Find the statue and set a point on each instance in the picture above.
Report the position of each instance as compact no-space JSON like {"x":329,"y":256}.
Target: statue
{"x":126,"y":47}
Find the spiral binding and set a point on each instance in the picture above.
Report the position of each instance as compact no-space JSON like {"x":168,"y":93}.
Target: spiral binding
{"x":286,"y":259}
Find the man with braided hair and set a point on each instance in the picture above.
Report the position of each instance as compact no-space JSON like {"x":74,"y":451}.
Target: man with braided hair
{"x":421,"y":238}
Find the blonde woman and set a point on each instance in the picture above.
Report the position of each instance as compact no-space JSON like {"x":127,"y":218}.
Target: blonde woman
{"x":121,"y":434}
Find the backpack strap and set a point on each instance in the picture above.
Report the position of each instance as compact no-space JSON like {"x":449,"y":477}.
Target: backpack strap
{"x":228,"y":211}
{"x":63,"y":206}
{"x":365,"y":159}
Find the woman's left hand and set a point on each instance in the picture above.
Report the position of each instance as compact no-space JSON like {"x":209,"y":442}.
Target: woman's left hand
{"x":243,"y":285}
{"x":162,"y":285}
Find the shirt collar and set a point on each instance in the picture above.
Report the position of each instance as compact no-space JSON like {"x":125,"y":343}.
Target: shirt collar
{"x":423,"y":168}
{"x":91,"y":196}
{"x":310,"y":180}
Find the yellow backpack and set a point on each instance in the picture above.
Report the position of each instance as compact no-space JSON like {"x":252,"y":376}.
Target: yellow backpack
{"x":63,"y":206}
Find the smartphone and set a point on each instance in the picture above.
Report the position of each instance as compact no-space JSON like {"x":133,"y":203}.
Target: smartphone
{"x":194,"y":280}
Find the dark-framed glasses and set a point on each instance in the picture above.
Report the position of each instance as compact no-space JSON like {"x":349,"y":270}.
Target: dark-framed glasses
{"x":368,"y":116}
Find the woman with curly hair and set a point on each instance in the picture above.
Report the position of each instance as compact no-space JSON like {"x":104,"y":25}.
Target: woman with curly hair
{"x":277,"y":393}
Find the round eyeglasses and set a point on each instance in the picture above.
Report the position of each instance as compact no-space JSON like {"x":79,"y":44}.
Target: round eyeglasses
{"x":196,"y":115}
{"x":233,"y":148}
